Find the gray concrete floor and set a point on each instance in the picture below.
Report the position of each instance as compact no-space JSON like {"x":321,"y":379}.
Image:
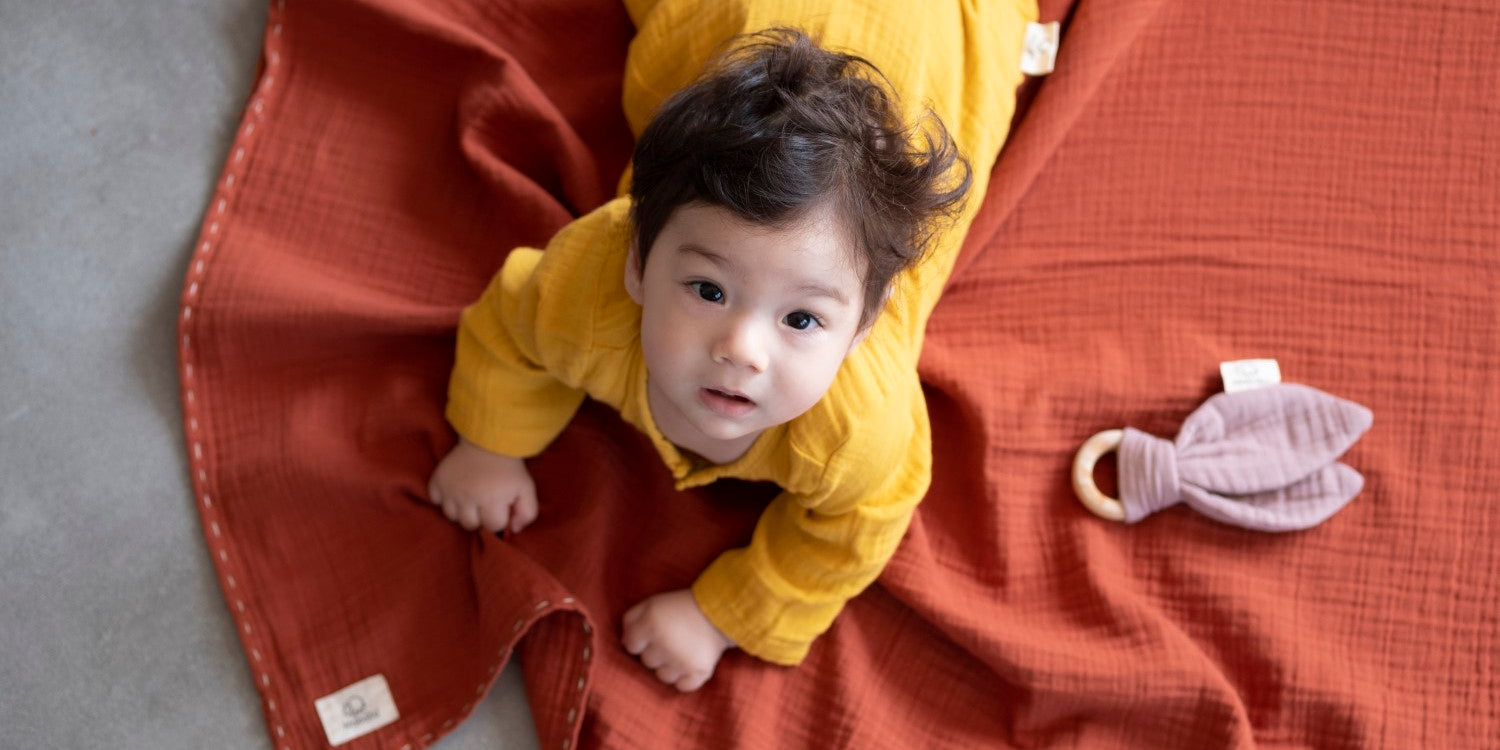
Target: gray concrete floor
{"x":114,"y":122}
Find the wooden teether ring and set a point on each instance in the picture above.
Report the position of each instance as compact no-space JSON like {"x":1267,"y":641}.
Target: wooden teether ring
{"x":1101,"y":504}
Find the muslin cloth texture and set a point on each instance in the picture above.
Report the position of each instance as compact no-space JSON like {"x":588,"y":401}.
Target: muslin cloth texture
{"x":1263,"y":459}
{"x":1195,"y":183}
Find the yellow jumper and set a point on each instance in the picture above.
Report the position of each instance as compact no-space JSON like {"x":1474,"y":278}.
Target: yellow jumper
{"x":557,"y":325}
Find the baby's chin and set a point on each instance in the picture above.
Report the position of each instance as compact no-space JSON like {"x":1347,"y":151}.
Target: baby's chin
{"x":728,"y":433}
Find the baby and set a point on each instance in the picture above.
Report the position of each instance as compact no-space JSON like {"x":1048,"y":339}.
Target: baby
{"x":746,"y":308}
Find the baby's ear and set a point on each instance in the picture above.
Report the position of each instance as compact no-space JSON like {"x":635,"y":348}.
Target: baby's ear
{"x":633,"y":273}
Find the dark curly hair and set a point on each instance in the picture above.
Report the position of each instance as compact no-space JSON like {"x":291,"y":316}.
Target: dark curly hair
{"x":775,"y":126}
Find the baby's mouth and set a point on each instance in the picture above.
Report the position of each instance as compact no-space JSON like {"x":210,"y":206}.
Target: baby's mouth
{"x":732,"y":396}
{"x":725,"y":403}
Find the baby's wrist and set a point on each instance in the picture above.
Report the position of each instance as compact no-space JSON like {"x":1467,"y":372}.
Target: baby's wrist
{"x":470,"y":445}
{"x":723,"y":638}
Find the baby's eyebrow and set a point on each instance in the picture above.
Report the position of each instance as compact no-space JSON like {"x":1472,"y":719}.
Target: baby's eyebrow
{"x":712,"y":257}
{"x":818,"y":290}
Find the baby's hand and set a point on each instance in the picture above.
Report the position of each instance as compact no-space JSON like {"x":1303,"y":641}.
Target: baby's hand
{"x":674,"y":639}
{"x":477,"y":488}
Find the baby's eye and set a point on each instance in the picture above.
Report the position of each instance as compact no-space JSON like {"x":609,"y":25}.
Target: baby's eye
{"x":707,"y":291}
{"x":800,"y":320}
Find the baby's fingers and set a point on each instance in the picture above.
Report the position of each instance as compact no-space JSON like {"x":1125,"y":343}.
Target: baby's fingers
{"x":450,"y":509}
{"x":669,"y":673}
{"x":524,"y":511}
{"x":493,"y":516}
{"x":691,"y":681}
{"x":633,"y":614}
{"x":468,"y":516}
{"x":634,"y":639}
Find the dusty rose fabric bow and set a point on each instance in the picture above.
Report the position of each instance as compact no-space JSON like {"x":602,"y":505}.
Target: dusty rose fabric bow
{"x":1262,"y":459}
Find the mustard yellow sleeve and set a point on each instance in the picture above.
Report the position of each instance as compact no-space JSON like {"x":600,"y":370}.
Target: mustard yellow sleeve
{"x":810,"y":555}
{"x":541,"y":336}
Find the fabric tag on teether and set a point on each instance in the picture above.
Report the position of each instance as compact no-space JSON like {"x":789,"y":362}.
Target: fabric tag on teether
{"x":1245,"y":374}
{"x":1039,"y":53}
{"x":357,"y":710}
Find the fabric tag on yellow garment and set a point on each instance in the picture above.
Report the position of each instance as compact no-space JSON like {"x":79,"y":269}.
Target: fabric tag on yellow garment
{"x":1039,"y":53}
{"x":1245,"y":374}
{"x":357,"y":710}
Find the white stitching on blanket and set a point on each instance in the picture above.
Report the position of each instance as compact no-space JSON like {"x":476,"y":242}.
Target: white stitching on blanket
{"x":194,"y":287}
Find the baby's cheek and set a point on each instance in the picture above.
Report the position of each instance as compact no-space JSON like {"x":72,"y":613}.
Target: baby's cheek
{"x":808,"y":390}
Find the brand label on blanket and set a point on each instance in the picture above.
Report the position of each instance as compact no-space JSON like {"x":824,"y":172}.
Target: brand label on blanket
{"x":357,"y":710}
{"x":1245,"y":374}
{"x":1039,"y":54}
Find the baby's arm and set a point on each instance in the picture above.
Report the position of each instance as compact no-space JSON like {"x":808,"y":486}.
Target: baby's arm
{"x":525,"y":350}
{"x":808,"y":556}
{"x":781,"y":592}
{"x":774,"y":597}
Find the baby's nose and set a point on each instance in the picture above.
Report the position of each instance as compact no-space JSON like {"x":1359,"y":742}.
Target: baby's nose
{"x":741,"y":344}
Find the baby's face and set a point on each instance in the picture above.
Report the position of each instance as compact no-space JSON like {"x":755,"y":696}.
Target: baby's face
{"x":743,"y":326}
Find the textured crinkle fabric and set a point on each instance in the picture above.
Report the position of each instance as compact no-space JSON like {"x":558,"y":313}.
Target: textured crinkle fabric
{"x":1195,"y":183}
{"x":1261,"y":459}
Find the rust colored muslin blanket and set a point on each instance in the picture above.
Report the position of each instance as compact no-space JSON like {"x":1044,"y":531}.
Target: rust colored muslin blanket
{"x":1196,"y":182}
{"x":1262,"y":459}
